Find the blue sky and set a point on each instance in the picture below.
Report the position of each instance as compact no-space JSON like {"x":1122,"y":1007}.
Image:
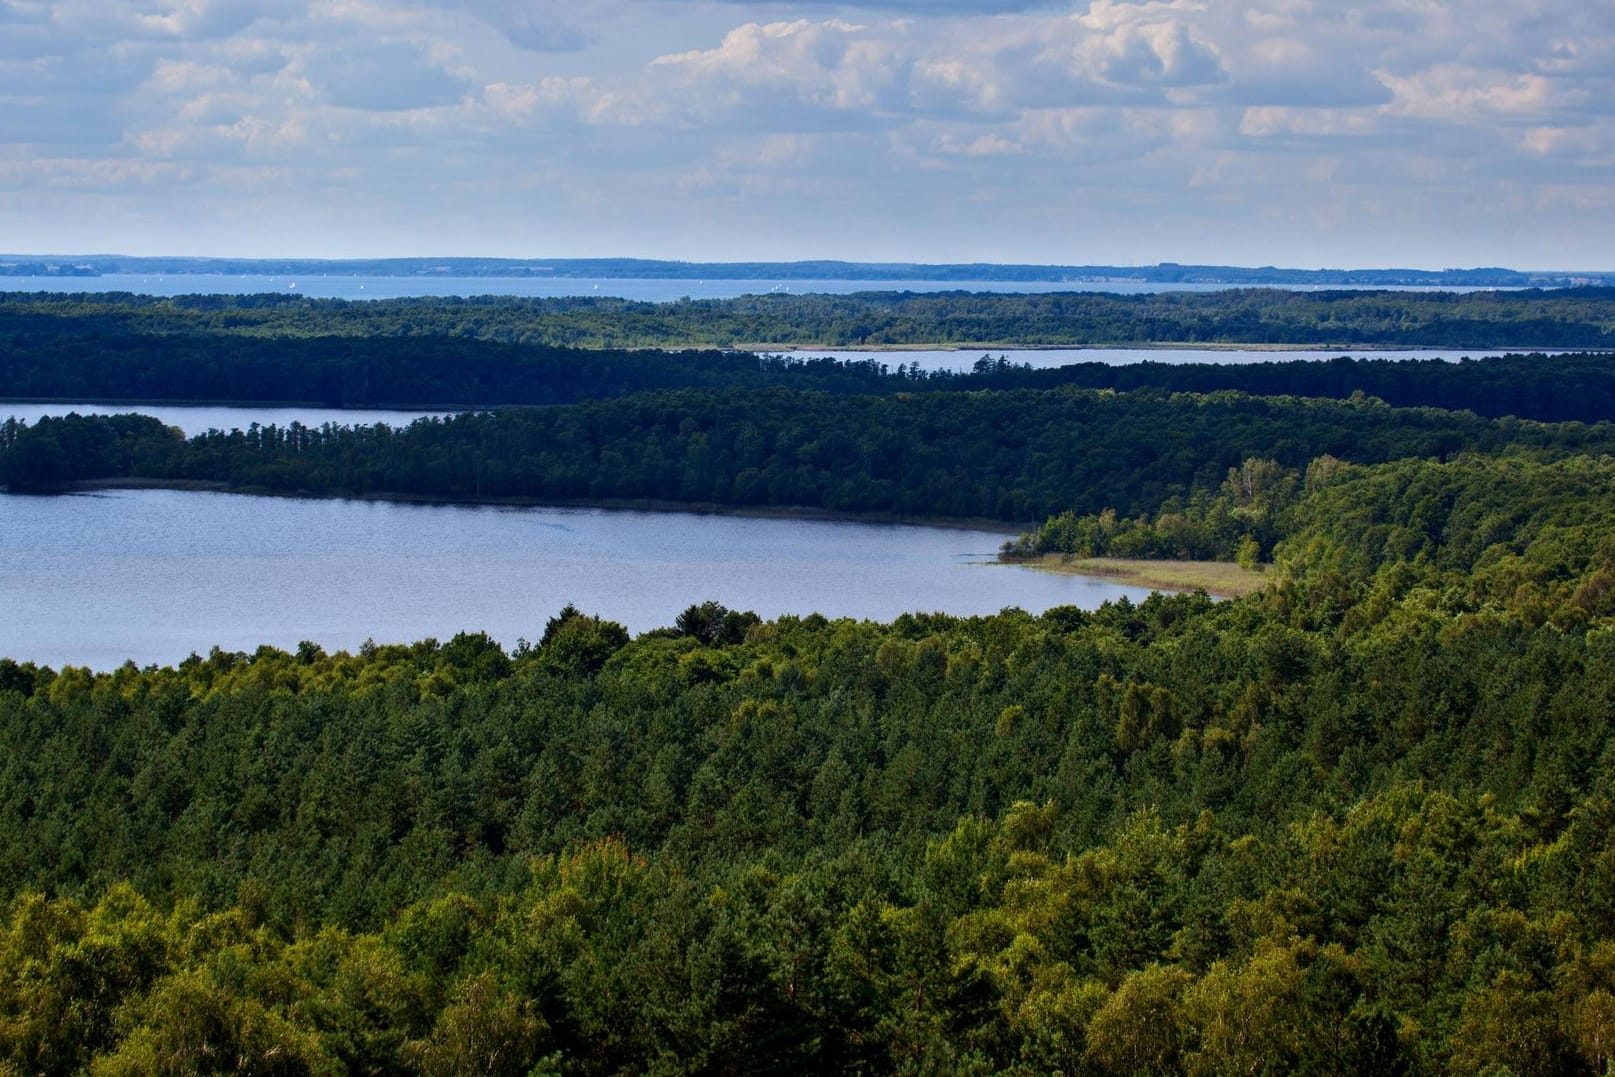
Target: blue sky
{"x":1382,"y":132}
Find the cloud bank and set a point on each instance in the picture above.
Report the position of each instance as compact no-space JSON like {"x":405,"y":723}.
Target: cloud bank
{"x":1389,"y":131}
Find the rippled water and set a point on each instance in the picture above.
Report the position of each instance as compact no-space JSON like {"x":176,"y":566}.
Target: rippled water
{"x":153,"y":575}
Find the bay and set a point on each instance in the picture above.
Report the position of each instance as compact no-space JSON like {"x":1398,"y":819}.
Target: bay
{"x":152,"y":576}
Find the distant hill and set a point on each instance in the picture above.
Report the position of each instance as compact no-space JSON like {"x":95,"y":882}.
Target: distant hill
{"x":620,"y":268}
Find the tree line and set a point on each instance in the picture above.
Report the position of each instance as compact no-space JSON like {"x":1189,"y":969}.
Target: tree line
{"x":456,"y":354}
{"x":1561,"y":319}
{"x":1013,"y":456}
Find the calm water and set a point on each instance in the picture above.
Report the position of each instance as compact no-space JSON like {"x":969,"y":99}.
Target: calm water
{"x":153,"y":575}
{"x":965,"y":358}
{"x":657,"y":291}
{"x":199,"y":420}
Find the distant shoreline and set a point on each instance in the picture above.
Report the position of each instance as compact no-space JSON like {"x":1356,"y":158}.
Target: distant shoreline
{"x":1225,"y":580}
{"x":1349,"y":350}
{"x":69,"y":266}
{"x":763,"y":512}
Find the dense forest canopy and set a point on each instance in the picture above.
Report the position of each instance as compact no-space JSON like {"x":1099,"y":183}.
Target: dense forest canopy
{"x":1532,"y":318}
{"x":1362,"y":821}
{"x":71,"y":360}
{"x":1012,"y":456}
{"x":498,"y":352}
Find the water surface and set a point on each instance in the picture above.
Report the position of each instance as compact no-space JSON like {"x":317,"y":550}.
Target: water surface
{"x":656,"y":290}
{"x":929,"y":359}
{"x":199,"y":419}
{"x":154,"y":575}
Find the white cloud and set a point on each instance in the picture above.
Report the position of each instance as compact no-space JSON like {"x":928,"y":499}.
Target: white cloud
{"x":1149,"y":44}
{"x":1372,"y":113}
{"x":784,"y":76}
{"x":1457,"y":94}
{"x":1267,"y":121}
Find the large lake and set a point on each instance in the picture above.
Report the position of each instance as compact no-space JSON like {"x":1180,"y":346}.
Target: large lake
{"x":1041,"y":358}
{"x":200,"y":419}
{"x":153,"y":575}
{"x":654,"y":290}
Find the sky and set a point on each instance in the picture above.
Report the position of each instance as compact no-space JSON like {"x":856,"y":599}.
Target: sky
{"x":1418,"y":133}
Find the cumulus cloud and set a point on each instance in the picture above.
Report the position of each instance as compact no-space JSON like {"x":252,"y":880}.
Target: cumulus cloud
{"x":1148,"y":44}
{"x":885,"y":72}
{"x":790,"y":75}
{"x":1246,"y":109}
{"x":1458,"y":94}
{"x":1154,"y":54}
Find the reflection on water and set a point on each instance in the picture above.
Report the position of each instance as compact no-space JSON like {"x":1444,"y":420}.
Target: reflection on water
{"x":153,"y":575}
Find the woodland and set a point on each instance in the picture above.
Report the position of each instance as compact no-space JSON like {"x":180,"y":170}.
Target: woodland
{"x":1361,"y":821}
{"x":1532,"y":319}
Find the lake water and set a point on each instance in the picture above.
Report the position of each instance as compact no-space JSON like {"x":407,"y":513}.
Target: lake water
{"x":153,"y":575}
{"x":200,"y":419}
{"x":648,"y":290}
{"x":965,"y":358}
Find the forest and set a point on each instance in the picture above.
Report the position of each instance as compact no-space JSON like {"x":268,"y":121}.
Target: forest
{"x":452,"y":373}
{"x":1012,"y":456}
{"x":1531,"y":319}
{"x":1361,"y":821}
{"x":479,"y":354}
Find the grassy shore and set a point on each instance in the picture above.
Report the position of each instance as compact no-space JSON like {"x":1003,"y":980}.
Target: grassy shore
{"x":1214,"y":577}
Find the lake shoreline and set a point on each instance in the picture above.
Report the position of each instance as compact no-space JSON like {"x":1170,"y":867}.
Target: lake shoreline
{"x":1124,"y":346}
{"x":1359,"y":350}
{"x":1221,"y":578}
{"x":149,"y":402}
{"x":153,"y":575}
{"x":762,"y":512}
